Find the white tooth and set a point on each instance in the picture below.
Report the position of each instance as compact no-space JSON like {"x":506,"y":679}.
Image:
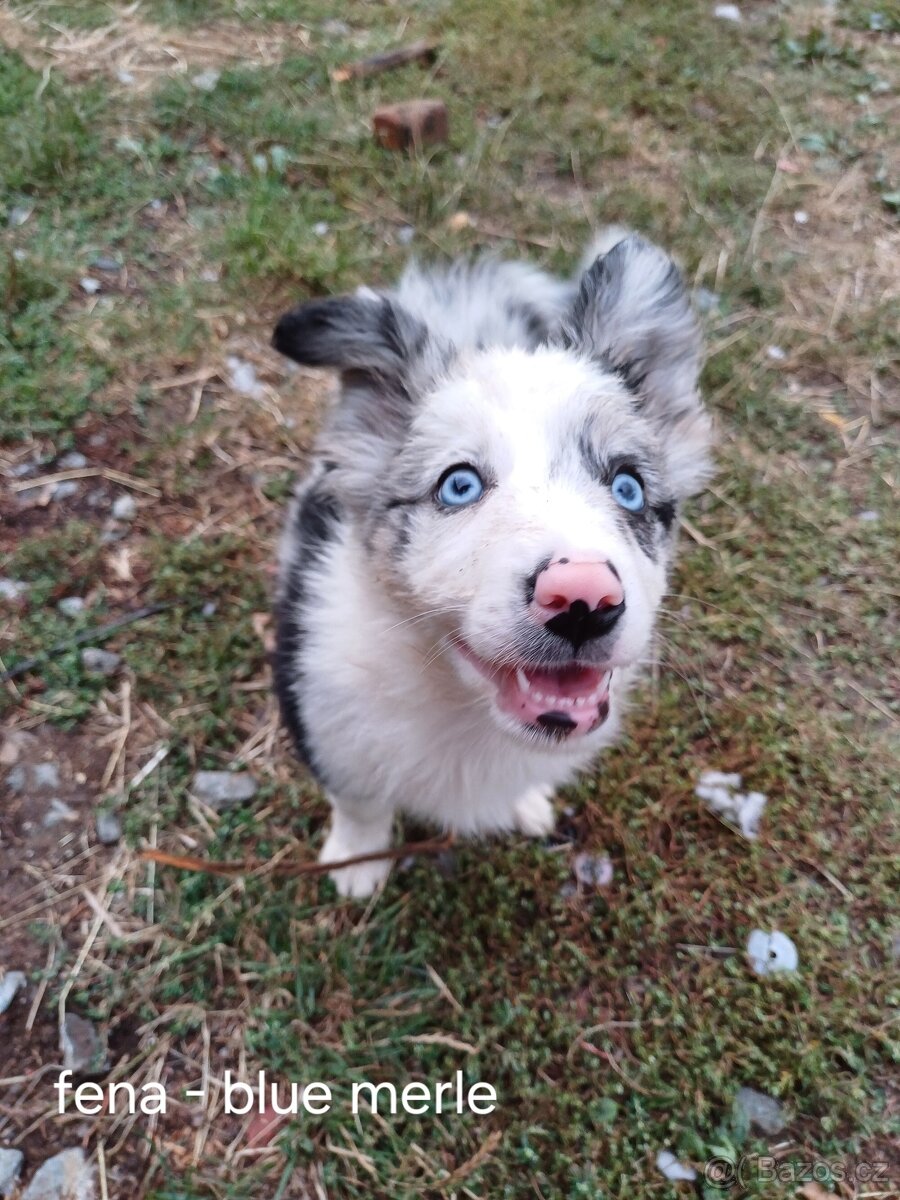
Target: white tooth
{"x":522,"y":679}
{"x":537,"y":695}
{"x":580,"y":701}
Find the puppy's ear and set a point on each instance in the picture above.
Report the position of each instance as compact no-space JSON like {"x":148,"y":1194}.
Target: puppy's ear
{"x":365,"y":332}
{"x":633,"y":315}
{"x":386,"y":356}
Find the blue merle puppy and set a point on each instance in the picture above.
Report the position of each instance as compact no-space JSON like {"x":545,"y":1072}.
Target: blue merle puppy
{"x":472,"y":567}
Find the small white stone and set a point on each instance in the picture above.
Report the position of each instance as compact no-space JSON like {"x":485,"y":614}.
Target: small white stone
{"x":45,"y":776}
{"x":206,"y":81}
{"x":65,"y":489}
{"x":405,"y":234}
{"x":58,"y":813}
{"x":672,"y":1168}
{"x":89,"y":285}
{"x":125,"y":77}
{"x":66,"y":1176}
{"x":776,"y":353}
{"x":124,"y":508}
{"x":100,"y":662}
{"x":770,"y":953}
{"x":801,"y":217}
{"x":12,"y":589}
{"x":73,"y":461}
{"x":11,"y":983}
{"x":868,"y":514}
{"x":593,"y":870}
{"x":224,"y":789}
{"x":83,"y":1046}
{"x":321,"y":228}
{"x":243,"y":377}
{"x":11,"y":1162}
{"x":71,"y":606}
{"x":109,"y":828}
{"x":727,"y":12}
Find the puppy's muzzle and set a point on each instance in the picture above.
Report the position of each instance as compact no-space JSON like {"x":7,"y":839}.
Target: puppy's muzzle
{"x":578,"y":601}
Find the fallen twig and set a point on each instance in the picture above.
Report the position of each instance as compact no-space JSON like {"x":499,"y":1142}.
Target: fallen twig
{"x":26,"y":485}
{"x":186,"y":862}
{"x":98,"y":634}
{"x":424,"y":52}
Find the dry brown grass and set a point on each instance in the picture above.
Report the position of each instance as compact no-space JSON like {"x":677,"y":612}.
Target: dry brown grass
{"x":132,"y":52}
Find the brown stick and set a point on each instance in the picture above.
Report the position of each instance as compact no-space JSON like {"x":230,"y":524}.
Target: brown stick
{"x":186,"y":862}
{"x":424,"y":52}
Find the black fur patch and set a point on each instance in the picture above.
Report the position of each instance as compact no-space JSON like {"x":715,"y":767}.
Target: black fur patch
{"x":530,"y":581}
{"x":665,"y":513}
{"x":535,"y":326}
{"x":317,"y":522}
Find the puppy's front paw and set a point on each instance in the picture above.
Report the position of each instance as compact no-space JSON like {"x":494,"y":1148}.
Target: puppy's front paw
{"x":534,"y":813}
{"x":361,"y":879}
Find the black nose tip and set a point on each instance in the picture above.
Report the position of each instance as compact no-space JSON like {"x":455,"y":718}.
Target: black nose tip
{"x":580,"y":624}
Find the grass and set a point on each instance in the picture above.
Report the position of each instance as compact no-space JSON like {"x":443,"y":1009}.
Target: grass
{"x":612,"y":1023}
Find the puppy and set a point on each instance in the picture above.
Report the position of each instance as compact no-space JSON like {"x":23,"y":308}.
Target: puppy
{"x":471,"y":569}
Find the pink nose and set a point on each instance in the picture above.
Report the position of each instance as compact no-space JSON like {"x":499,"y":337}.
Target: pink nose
{"x":561,"y":584}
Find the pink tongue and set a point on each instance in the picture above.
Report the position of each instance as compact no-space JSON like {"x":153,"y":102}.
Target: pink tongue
{"x":567,"y":681}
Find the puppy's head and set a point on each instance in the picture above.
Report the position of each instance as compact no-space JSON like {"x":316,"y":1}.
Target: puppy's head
{"x":521,"y":506}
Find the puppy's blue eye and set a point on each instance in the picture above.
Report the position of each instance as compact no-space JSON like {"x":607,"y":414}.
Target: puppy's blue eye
{"x":628,"y":492}
{"x":460,"y":486}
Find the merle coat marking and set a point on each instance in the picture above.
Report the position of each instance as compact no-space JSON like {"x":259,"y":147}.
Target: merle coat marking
{"x":415,"y":667}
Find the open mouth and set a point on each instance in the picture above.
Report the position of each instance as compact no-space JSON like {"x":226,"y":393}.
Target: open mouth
{"x":561,"y":702}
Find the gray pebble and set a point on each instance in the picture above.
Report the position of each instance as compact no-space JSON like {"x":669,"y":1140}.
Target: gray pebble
{"x":12,"y":589}
{"x":23,"y":469}
{"x":868,"y":514}
{"x":592,"y":870}
{"x":65,"y":489}
{"x":106,"y":264}
{"x":83,"y":1047}
{"x":124,"y":508}
{"x":761,"y":1110}
{"x":100,"y":662}
{"x":209,"y":609}
{"x":109,"y":828}
{"x":405,"y":234}
{"x":15,"y":780}
{"x":706,"y":300}
{"x":10,"y":1169}
{"x":73,"y":461}
{"x":71,"y":606}
{"x":45,"y":776}
{"x":10,"y":984}
{"x":19,"y":215}
{"x":65,"y":1176}
{"x":224,"y":789}
{"x":58,"y":813}
{"x":206,"y":81}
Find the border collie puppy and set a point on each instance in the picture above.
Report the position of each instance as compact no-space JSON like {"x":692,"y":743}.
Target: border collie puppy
{"x":472,"y":567}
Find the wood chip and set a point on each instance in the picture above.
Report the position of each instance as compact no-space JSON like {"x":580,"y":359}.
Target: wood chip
{"x":421,"y":52}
